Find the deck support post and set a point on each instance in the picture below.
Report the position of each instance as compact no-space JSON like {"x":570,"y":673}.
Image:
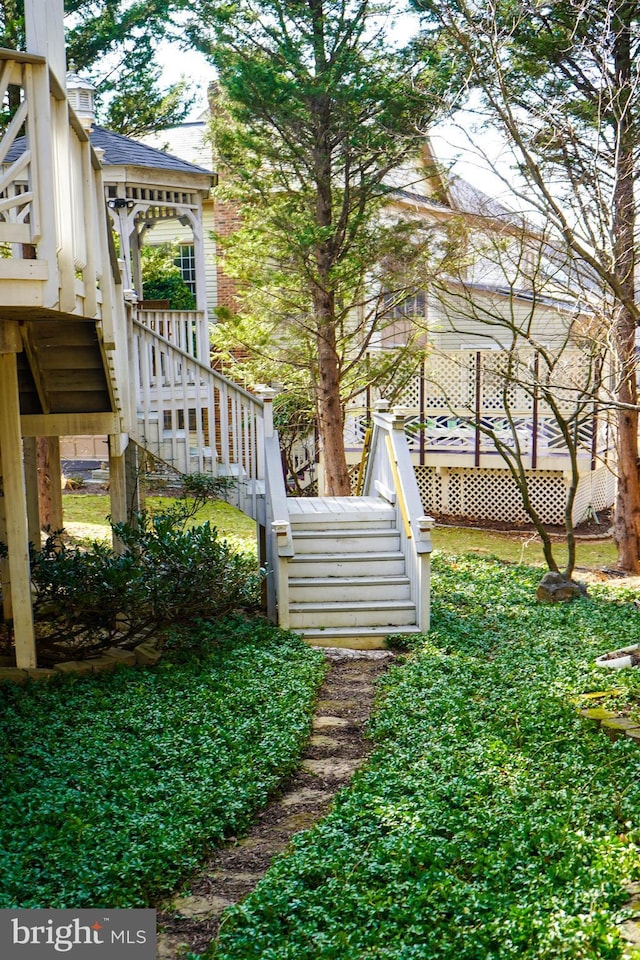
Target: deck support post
{"x":31,"y":486}
{"x":15,"y":498}
{"x":50,"y":482}
{"x":124,"y":486}
{"x":5,"y":579}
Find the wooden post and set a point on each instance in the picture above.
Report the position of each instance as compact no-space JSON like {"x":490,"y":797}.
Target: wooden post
{"x":44,"y":23}
{"x":117,"y":487}
{"x":5,"y":580}
{"x":536,"y":412}
{"x":49,"y":483}
{"x":124,"y":486}
{"x":134,"y":487}
{"x":16,"y":512}
{"x":31,"y":484}
{"x":478,"y":408}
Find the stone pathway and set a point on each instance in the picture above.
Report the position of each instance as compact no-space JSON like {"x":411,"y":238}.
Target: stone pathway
{"x":335,"y":750}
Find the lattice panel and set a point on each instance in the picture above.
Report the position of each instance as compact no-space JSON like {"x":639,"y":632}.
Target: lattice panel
{"x":410,"y":395}
{"x":506,"y":381}
{"x":430,"y":487}
{"x":596,"y":490}
{"x":453,"y":503}
{"x":490,"y":494}
{"x":494,"y":495}
{"x":451,"y":382}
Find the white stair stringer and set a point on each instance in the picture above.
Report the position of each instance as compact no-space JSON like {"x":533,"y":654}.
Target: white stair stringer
{"x":347,"y":579}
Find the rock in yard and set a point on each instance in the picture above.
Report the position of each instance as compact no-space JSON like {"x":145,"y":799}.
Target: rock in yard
{"x":554,"y":588}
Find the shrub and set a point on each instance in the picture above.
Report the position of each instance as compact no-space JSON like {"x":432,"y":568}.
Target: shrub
{"x":167,"y":574}
{"x":162,"y":279}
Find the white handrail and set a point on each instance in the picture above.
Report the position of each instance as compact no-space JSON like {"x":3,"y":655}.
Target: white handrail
{"x":389,"y":473}
{"x":193,"y":418}
{"x":279,"y":539}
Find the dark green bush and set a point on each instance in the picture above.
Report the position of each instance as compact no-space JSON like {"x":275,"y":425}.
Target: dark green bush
{"x":168,"y":574}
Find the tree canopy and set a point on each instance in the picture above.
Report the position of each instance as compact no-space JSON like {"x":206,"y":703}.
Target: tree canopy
{"x":561,"y":82}
{"x":113,"y":43}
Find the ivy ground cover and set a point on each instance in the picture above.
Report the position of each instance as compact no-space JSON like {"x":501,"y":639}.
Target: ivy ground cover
{"x":492,"y":820}
{"x":113,"y":787}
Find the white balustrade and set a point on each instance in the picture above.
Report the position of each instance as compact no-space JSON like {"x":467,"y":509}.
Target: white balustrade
{"x":52,"y":213}
{"x":389,"y":473}
{"x":195,"y":420}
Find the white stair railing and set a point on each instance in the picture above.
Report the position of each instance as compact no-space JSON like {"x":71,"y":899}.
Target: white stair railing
{"x":195,"y":420}
{"x":389,"y":473}
{"x":279,"y":540}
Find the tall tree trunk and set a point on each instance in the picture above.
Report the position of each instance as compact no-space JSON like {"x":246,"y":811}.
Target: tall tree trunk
{"x":328,"y":400}
{"x":627,"y":514}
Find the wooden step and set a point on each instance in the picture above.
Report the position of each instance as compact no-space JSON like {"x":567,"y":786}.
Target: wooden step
{"x":376,"y":613}
{"x":351,"y":565}
{"x":371,"y":638}
{"x":346,"y":541}
{"x":317,"y":589}
{"x":341,"y":512}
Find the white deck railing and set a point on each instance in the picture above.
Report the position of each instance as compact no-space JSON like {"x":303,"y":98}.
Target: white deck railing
{"x":53,"y":223}
{"x":279,"y":540}
{"x":389,"y":473}
{"x":453,"y":393}
{"x":195,"y":420}
{"x":186,"y":329}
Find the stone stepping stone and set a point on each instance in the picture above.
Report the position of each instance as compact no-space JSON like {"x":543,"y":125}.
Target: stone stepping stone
{"x":306,"y":795}
{"x":331,"y":768}
{"x":318,"y":740}
{"x":329,"y":723}
{"x":200,"y":908}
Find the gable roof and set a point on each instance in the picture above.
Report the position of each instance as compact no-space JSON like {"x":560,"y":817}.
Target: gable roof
{"x":124,"y":151}
{"x":188,"y":141}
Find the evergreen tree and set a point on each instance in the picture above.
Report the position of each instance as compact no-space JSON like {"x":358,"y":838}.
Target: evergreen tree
{"x":317,"y":112}
{"x":113,"y":43}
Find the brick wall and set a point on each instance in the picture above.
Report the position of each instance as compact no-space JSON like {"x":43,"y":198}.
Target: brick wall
{"x":227,"y":219}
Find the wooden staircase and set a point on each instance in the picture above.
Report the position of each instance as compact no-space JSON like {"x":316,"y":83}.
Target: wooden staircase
{"x":347,"y":580}
{"x":350,"y":571}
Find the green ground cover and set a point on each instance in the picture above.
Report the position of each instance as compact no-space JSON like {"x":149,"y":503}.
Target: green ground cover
{"x":492,"y":820}
{"x":113,"y":787}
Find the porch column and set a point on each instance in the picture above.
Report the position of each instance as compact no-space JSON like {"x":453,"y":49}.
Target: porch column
{"x":15,"y":498}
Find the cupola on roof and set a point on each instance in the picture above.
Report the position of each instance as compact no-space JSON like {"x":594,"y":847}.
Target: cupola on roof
{"x":82,"y":97}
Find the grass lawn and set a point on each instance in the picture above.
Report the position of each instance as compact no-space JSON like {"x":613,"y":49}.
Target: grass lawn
{"x":85,"y":519}
{"x":519,"y":547}
{"x":115,"y":786}
{"x":492,"y":821}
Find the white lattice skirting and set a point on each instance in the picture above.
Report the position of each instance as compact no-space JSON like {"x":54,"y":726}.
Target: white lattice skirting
{"x":493,"y":495}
